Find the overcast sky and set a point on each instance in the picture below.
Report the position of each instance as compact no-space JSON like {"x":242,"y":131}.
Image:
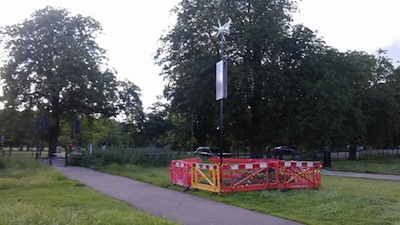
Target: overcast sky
{"x":132,"y":29}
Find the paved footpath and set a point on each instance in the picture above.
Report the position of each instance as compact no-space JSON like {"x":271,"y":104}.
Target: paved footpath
{"x":164,"y":203}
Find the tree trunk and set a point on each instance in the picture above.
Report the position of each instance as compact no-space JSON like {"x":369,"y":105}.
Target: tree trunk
{"x":255,"y":143}
{"x":353,"y":152}
{"x":255,"y":149}
{"x":201,"y":134}
{"x":256,"y":125}
{"x":54,"y":128}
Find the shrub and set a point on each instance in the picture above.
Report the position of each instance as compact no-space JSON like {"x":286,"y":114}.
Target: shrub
{"x":138,"y":156}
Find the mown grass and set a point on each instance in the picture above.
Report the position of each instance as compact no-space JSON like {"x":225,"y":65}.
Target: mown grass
{"x":339,"y":201}
{"x":32,"y":193}
{"x":158,"y":176}
{"x":373,"y":163}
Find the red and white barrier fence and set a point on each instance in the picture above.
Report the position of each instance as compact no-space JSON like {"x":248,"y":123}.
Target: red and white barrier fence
{"x":236,"y":175}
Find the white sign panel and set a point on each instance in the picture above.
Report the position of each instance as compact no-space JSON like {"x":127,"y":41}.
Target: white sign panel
{"x":221,"y":80}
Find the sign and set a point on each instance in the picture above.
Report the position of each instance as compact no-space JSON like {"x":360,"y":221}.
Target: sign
{"x":221,"y":79}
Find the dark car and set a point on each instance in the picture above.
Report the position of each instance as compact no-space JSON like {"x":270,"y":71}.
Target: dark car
{"x":284,"y":149}
{"x":207,"y":151}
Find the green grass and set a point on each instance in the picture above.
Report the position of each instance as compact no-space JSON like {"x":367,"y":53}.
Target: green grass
{"x":158,"y":176}
{"x":32,"y":193}
{"x":377,"y":163}
{"x":339,"y":201}
{"x":17,"y":153}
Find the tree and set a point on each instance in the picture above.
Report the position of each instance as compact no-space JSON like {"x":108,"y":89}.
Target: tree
{"x":129,"y":103}
{"x":189,"y":55}
{"x":190,"y":52}
{"x":382,"y":105}
{"x":156,"y":124}
{"x":55,"y":66}
{"x":18,"y":127}
{"x":285,"y":86}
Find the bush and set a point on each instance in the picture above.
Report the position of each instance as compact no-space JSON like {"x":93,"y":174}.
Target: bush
{"x":138,"y":156}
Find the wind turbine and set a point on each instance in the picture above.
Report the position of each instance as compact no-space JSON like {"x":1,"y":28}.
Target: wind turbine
{"x":223,"y":29}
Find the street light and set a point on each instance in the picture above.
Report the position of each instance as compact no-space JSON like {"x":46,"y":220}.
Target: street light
{"x":222,"y":80}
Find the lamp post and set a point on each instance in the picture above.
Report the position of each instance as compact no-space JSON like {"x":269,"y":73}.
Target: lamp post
{"x":221,"y":80}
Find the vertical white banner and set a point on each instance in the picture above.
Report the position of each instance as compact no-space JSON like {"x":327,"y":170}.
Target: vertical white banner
{"x":221,"y":80}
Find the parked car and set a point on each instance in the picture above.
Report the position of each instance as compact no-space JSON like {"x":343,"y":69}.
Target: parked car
{"x":285,"y":149}
{"x":207,"y":151}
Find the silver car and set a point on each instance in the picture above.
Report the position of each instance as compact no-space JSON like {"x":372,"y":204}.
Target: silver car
{"x":207,"y":151}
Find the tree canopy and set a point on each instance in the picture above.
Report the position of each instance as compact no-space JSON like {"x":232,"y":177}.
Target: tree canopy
{"x":55,"y":66}
{"x":285,"y":85}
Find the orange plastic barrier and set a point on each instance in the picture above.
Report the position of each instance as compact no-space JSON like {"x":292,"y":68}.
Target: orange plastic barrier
{"x":180,"y":171}
{"x":237,"y":175}
{"x":206,"y":177}
{"x":251,"y":176}
{"x":293,"y":174}
{"x":239,"y":160}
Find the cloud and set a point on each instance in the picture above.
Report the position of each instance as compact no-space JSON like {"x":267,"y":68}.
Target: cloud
{"x":393,"y":52}
{"x":352,"y":24}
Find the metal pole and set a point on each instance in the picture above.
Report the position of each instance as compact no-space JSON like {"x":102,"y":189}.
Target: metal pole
{"x":191,"y":136}
{"x":70,"y":145}
{"x":221,"y":118}
{"x":221,"y":128}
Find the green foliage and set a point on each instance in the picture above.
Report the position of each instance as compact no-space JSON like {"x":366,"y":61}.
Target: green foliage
{"x":155,"y":125}
{"x":137,"y":156}
{"x":32,"y":193}
{"x":56,"y":67}
{"x":55,"y":62}
{"x":18,"y":127}
{"x":285,"y":85}
{"x":129,"y":103}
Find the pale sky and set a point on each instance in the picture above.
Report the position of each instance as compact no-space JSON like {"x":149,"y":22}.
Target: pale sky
{"x":132,"y":29}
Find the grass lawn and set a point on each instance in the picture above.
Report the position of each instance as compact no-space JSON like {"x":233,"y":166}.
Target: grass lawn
{"x":374,"y":163}
{"x":339,"y":201}
{"x":32,"y":193}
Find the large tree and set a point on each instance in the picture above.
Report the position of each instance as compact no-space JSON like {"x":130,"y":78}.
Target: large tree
{"x":188,"y":55}
{"x":55,"y":65}
{"x":254,"y":52}
{"x":285,"y":86}
{"x":18,"y":127}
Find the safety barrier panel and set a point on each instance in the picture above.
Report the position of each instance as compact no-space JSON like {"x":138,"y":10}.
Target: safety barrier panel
{"x":237,"y":175}
{"x":180,"y":171}
{"x":249,"y":176}
{"x":293,"y":174}
{"x":239,"y":160}
{"x":206,"y":177}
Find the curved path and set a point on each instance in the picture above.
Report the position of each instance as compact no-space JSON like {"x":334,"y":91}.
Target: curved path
{"x":164,"y":203}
